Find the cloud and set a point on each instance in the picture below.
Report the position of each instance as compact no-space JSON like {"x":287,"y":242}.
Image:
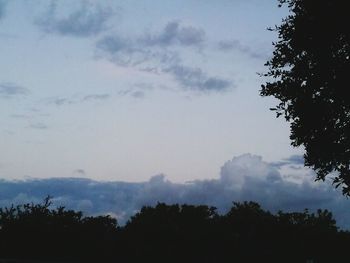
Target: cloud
{"x":60,"y":101}
{"x":123,"y":53}
{"x":196,"y":79}
{"x":228,"y":45}
{"x":9,"y":90}
{"x":131,"y":52}
{"x":160,"y":53}
{"x":138,"y":94}
{"x":245,"y":177}
{"x":80,"y":172}
{"x":3,"y":4}
{"x":89,"y":19}
{"x":293,"y":161}
{"x":175,"y":34}
{"x":96,"y":97}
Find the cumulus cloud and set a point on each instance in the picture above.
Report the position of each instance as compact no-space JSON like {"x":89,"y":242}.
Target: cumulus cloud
{"x":89,"y":19}
{"x":8,"y":90}
{"x":245,"y":177}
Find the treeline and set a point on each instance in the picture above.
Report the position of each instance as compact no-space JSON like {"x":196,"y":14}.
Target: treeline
{"x":171,"y":233}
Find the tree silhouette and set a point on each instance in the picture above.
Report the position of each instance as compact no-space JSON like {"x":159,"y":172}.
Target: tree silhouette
{"x":170,"y":233}
{"x":308,"y":74}
{"x":35,"y":231}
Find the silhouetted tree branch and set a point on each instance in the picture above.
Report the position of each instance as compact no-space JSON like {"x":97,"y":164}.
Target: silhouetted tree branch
{"x":308,"y":74}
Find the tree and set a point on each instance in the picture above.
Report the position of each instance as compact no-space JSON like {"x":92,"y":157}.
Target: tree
{"x":35,"y":231}
{"x":308,"y":74}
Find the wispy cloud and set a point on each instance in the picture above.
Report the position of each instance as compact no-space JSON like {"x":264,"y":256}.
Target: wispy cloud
{"x":196,"y":79}
{"x":293,"y":160}
{"x":89,"y":19}
{"x":175,"y":34}
{"x":228,"y":45}
{"x":245,"y":177}
{"x":80,"y":172}
{"x":96,"y":97}
{"x":158,"y":53}
{"x":61,"y":101}
{"x":8,"y":90}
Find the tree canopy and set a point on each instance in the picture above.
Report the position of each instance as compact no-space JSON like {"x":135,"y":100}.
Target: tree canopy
{"x":308,"y":74}
{"x":170,"y":233}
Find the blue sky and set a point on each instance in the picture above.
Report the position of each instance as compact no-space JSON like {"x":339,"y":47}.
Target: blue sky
{"x":146,"y":101}
{"x":125,"y":90}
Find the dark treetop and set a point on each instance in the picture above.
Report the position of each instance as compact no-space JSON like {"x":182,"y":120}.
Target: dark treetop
{"x":309,"y":75}
{"x":170,"y":233}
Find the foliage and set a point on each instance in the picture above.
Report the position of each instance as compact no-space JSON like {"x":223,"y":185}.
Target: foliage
{"x":36,"y":231}
{"x":308,"y":74}
{"x":170,"y":233}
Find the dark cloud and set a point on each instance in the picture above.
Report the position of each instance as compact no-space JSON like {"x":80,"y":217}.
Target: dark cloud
{"x":246,"y":177}
{"x":196,"y":79}
{"x":88,"y":20}
{"x":229,"y":45}
{"x":9,"y":90}
{"x":175,"y":34}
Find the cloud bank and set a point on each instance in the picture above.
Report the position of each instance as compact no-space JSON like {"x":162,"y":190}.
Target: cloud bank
{"x":245,"y":177}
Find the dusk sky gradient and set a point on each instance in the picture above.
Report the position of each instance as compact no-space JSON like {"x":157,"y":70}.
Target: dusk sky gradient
{"x":131,"y":90}
{"x":124,"y":90}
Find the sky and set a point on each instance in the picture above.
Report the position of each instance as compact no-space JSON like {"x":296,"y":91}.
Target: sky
{"x":141,"y":94}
